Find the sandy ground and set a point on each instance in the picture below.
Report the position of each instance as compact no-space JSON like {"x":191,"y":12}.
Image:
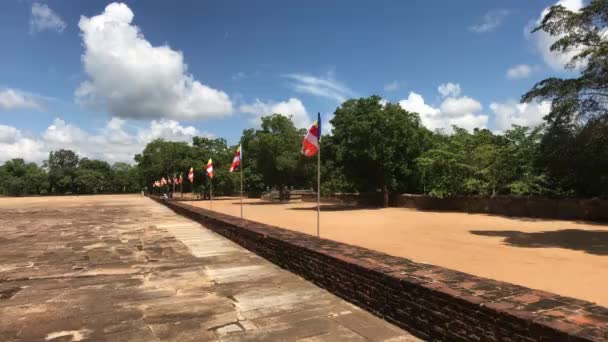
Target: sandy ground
{"x":123,"y":268}
{"x":564,"y":257}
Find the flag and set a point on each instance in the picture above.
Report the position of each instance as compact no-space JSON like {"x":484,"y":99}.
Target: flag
{"x":163,"y":181}
{"x":191,"y":175}
{"x":209,"y":168}
{"x":181,"y":178}
{"x":310,"y":144}
{"x":175,"y":181}
{"x":168,"y":179}
{"x":236,"y":161}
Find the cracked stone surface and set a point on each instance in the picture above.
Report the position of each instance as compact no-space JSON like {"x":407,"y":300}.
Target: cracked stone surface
{"x":123,"y":268}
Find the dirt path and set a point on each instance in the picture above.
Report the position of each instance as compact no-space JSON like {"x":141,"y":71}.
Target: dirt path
{"x":564,"y":257}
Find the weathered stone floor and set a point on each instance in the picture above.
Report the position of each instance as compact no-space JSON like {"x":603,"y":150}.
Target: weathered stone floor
{"x":123,"y":268}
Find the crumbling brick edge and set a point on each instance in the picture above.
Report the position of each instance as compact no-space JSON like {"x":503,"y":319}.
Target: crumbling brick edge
{"x":431,"y":302}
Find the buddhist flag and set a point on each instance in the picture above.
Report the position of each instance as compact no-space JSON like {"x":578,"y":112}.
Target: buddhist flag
{"x":236,"y":161}
{"x":168,"y":179}
{"x":191,"y":175}
{"x":175,"y":180}
{"x":163,"y":181}
{"x":181,"y":178}
{"x":310,"y":144}
{"x":209,"y":168}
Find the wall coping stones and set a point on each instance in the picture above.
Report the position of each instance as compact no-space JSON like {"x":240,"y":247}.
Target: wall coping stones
{"x":429,"y":301}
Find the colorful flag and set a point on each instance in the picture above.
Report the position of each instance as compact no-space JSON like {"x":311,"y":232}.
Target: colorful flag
{"x":191,"y":175}
{"x":163,"y":181}
{"x":236,"y":161}
{"x":168,"y":179}
{"x":310,"y":144}
{"x":175,"y":180}
{"x":209,"y":168}
{"x":181,"y":178}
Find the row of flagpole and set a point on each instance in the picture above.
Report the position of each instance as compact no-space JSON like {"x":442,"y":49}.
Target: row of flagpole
{"x":311,"y":145}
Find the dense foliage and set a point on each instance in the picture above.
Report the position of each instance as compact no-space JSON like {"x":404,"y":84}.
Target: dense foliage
{"x":574,"y":153}
{"x":65,"y":173}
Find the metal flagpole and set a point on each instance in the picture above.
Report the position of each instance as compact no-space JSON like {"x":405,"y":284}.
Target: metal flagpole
{"x":319,"y":181}
{"x":241,"y":166}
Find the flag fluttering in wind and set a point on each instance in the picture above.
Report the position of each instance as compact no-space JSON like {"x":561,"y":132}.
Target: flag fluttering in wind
{"x":163,"y":181}
{"x":191,"y":175}
{"x":175,"y":180}
{"x":168,"y":179}
{"x":310,"y":144}
{"x":209,"y":168}
{"x":236,"y":161}
{"x":181,"y":178}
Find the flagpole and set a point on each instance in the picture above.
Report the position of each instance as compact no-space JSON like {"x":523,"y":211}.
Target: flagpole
{"x":181,"y":186}
{"x":241,"y":162}
{"x":319,"y":183}
{"x":210,"y":194}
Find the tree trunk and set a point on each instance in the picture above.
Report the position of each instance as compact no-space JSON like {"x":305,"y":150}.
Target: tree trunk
{"x":385,"y":196}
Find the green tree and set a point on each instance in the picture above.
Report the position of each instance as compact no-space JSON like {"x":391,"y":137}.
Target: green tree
{"x":274,"y":152}
{"x":573,"y":150}
{"x":20,"y":178}
{"x":61,"y":167}
{"x":377,"y":145}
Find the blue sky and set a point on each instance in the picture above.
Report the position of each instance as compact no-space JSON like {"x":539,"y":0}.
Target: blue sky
{"x":105,"y":80}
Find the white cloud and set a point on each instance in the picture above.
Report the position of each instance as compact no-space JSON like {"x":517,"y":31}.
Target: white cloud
{"x":44,"y":18}
{"x":131,"y":78}
{"x":392,"y":86}
{"x":16,"y":99}
{"x":543,"y":41}
{"x":515,"y":113}
{"x":457,"y":106}
{"x":449,"y":89}
{"x":518,"y":72}
{"x":490,"y":21}
{"x":463,"y":112}
{"x":324,"y":86}
{"x":114,"y":142}
{"x":292,"y":107}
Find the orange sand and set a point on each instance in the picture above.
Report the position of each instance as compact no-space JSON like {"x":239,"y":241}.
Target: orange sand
{"x":444,"y":239}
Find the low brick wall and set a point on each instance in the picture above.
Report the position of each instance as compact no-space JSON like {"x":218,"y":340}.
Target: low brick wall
{"x":431,"y":302}
{"x":588,"y":209}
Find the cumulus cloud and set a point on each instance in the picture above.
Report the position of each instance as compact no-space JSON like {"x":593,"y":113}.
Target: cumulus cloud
{"x":522,"y":114}
{"x":114,"y":142}
{"x":462,"y":111}
{"x":131,"y":78}
{"x":324,"y":86}
{"x":490,"y":21}
{"x":15,"y":99}
{"x":543,"y":41}
{"x":519,"y":72}
{"x":392,"y":86}
{"x":292,"y":107}
{"x":449,"y":89}
{"x":44,"y":18}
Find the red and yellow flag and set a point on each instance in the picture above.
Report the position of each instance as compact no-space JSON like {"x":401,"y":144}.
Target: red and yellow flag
{"x":236,"y":161}
{"x":209,"y":168}
{"x":310,"y":144}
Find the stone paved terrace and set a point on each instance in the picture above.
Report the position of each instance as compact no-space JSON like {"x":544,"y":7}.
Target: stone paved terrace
{"x":123,"y":268}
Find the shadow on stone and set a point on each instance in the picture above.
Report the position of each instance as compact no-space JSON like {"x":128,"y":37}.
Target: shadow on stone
{"x":589,"y":241}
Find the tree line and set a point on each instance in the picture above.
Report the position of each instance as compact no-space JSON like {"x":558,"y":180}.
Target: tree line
{"x":376,"y":146}
{"x":65,"y":173}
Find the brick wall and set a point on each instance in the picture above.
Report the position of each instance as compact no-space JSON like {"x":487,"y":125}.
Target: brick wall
{"x":589,"y":209}
{"x":432,"y":302}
